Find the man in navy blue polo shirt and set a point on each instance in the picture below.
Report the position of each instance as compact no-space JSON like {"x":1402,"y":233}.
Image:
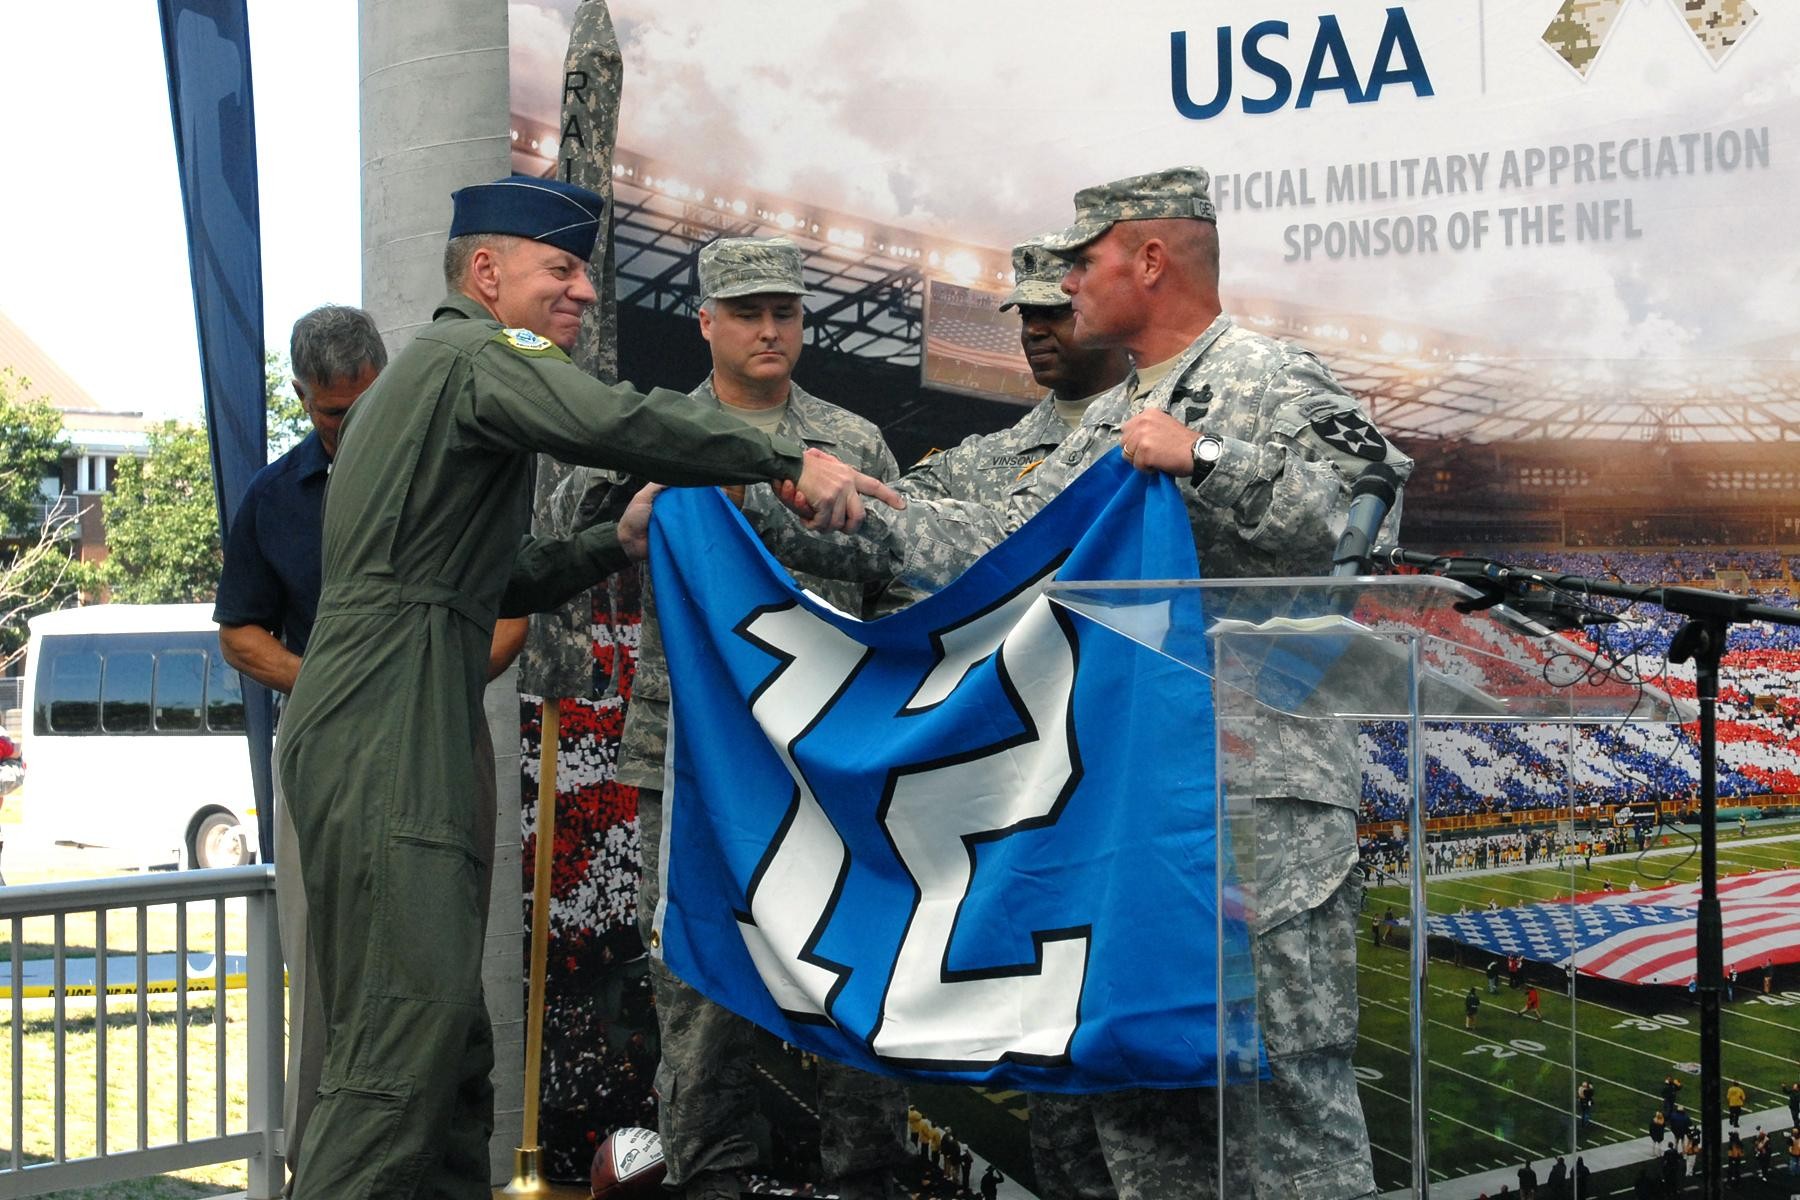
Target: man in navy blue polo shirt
{"x":269,"y":590}
{"x":268,"y":596}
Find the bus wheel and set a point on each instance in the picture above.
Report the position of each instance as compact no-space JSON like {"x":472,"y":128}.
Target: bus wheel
{"x":217,"y":842}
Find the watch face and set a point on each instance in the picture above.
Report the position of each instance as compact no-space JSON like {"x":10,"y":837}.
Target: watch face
{"x":1207,"y":449}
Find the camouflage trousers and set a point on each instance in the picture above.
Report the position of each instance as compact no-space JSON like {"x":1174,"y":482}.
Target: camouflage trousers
{"x":1297,"y":1135}
{"x":706,"y":1079}
{"x":1128,"y":1145}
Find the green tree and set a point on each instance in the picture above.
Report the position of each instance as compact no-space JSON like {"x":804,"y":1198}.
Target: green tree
{"x":36,"y":572}
{"x":31,"y":446}
{"x":162,"y":531}
{"x":287,"y":420}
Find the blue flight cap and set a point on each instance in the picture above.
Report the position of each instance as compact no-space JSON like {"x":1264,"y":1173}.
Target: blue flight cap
{"x":544,"y":210}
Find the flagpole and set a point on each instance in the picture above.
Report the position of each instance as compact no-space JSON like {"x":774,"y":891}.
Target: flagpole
{"x":528,"y":1178}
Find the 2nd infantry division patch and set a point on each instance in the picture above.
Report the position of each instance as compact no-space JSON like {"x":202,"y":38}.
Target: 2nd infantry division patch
{"x":1350,"y":431}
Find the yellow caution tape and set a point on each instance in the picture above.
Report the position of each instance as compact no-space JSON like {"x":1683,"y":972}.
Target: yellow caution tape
{"x":39,"y":991}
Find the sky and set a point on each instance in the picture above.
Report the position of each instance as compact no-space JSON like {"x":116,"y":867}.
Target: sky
{"x":96,"y":269}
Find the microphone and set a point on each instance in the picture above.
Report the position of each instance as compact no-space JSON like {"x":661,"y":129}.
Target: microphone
{"x":1544,"y":599}
{"x":1371,"y":498}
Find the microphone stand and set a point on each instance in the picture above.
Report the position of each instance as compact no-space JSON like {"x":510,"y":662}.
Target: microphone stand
{"x":1708,"y":618}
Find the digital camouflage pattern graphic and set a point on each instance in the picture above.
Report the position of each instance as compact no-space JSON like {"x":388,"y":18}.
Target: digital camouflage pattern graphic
{"x":1580,"y":27}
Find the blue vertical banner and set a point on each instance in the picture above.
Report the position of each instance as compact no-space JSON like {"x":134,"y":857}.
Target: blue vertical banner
{"x":206,"y":50}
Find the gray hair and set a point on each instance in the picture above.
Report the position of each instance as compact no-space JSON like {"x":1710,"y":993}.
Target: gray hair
{"x":334,"y":342}
{"x":459,"y":250}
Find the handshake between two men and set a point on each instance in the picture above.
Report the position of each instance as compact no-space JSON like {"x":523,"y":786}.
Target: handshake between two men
{"x":827,"y":496}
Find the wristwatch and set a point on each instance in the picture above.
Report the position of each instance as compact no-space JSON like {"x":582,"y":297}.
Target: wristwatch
{"x":1207,"y":449}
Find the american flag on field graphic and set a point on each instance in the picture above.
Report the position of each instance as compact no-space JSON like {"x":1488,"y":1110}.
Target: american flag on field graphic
{"x":1642,"y":937}
{"x":980,"y":340}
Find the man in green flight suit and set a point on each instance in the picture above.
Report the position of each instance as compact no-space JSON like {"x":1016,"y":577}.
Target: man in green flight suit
{"x":383,"y":760}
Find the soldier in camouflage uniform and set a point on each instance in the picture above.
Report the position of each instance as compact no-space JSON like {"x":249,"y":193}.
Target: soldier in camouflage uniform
{"x":967,"y":486}
{"x":1266,"y":445}
{"x":751,"y":314}
{"x":984,"y":468}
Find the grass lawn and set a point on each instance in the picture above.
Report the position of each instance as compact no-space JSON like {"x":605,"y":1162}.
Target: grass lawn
{"x":1504,"y":1092}
{"x":163,"y":1114}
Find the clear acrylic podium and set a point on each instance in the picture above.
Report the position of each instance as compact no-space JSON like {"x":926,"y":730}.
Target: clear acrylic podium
{"x":1308,"y":675}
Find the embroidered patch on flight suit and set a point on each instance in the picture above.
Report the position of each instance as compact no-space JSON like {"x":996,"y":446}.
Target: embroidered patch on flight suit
{"x":527,"y":342}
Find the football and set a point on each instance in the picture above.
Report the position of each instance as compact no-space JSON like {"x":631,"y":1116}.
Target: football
{"x":628,"y":1164}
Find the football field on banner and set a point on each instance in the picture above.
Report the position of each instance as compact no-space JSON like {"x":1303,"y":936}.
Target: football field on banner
{"x":1503,"y":1093}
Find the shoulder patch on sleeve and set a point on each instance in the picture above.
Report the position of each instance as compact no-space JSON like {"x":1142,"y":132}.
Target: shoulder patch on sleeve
{"x":1349,"y":431}
{"x":526,"y":342}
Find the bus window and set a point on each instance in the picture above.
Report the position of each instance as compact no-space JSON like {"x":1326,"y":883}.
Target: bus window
{"x":180,"y":690}
{"x":125,"y":692}
{"x":72,"y":704}
{"x":224,"y":698}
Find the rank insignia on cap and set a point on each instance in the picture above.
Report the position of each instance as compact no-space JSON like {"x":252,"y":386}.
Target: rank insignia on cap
{"x":1350,"y":431}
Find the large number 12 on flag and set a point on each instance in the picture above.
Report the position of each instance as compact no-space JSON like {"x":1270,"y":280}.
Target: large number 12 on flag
{"x":974,"y":840}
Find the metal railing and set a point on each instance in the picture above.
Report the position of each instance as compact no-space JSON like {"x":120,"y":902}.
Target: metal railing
{"x":259,"y":1140}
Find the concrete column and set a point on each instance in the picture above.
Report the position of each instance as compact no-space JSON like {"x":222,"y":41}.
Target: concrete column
{"x":435,"y":117}
{"x":435,"y":110}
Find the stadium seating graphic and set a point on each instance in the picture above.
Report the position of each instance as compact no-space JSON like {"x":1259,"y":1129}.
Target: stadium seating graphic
{"x":1487,"y":768}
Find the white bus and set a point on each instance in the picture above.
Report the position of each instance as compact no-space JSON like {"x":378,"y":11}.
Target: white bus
{"x":134,"y":734}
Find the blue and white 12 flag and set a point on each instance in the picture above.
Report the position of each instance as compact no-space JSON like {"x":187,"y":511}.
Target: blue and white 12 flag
{"x":971,"y":841}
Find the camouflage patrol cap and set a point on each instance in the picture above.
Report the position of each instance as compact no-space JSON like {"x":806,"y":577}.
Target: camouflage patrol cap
{"x":749,"y":267}
{"x":1037,"y":277}
{"x":1175,"y":192}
